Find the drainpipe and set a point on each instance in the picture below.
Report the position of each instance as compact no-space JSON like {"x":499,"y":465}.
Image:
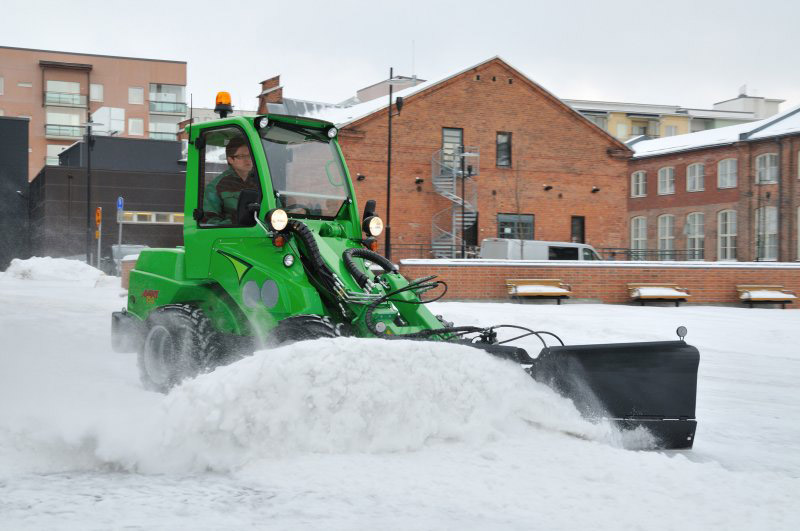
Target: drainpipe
{"x":779,"y":141}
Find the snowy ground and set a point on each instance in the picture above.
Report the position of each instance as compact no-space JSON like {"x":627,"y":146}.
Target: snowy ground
{"x":347,"y":434}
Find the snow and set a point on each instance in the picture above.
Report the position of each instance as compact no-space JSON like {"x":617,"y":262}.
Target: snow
{"x":787,"y":122}
{"x":529,"y":288}
{"x":652,"y":291}
{"x":359,"y":434}
{"x":767,"y":294}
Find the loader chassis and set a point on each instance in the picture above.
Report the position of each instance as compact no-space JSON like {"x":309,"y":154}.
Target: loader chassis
{"x":289,"y":265}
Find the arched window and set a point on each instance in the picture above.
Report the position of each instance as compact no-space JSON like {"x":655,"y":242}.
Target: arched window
{"x":767,"y":168}
{"x":726,"y":235}
{"x":638,"y":238}
{"x":639,"y":183}
{"x":666,"y":181}
{"x":695,"y":177}
{"x":695,"y":236}
{"x":767,"y":233}
{"x":666,"y":237}
{"x":726,"y":173}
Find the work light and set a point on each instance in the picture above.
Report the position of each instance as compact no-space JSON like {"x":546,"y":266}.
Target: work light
{"x":277,"y":219}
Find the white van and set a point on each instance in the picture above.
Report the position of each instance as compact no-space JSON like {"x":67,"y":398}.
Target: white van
{"x":508,"y":249}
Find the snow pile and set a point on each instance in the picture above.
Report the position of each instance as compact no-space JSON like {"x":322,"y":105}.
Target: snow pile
{"x":767,"y":294}
{"x":345,"y":396}
{"x":653,"y":291}
{"x":53,"y":269}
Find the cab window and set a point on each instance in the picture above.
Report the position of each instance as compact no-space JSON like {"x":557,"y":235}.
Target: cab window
{"x":562,"y":253}
{"x":227,"y":169}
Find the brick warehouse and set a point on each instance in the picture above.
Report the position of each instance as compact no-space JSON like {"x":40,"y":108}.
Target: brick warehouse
{"x":562,"y":172}
{"x":727,"y":194}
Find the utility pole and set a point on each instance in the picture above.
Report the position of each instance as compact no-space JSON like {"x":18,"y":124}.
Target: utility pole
{"x":388,"y":228}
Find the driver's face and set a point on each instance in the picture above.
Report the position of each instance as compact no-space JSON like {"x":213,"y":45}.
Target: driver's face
{"x":241,"y":162}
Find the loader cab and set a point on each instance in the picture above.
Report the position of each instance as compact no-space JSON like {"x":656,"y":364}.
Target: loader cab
{"x":283,"y":162}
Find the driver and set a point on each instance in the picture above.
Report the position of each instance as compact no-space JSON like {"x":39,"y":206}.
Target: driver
{"x":221,"y":197}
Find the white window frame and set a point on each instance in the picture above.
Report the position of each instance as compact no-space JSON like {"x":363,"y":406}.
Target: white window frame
{"x":767,"y":251}
{"x":670,"y":130}
{"x":93,"y":89}
{"x":621,"y":130}
{"x":695,"y":236}
{"x":2,"y":85}
{"x":135,"y":131}
{"x":726,"y":235}
{"x":25,"y":84}
{"x":639,"y":237}
{"x":132,"y":99}
{"x":727,"y":173}
{"x":695,"y":177}
{"x":666,"y":180}
{"x":767,"y":171}
{"x":639,"y":183}
{"x":666,"y":237}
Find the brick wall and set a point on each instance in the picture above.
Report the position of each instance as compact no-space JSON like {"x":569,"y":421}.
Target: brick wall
{"x":551,"y":144}
{"x":607,"y":282}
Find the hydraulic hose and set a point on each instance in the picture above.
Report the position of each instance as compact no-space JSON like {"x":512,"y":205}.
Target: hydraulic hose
{"x":359,"y":276}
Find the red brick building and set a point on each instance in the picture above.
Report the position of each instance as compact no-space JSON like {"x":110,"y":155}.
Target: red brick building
{"x":536,"y":168}
{"x":725,"y":194}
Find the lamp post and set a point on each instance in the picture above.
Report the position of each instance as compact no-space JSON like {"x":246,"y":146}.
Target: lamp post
{"x":387,"y":229}
{"x":464,"y":176}
{"x":89,"y":142}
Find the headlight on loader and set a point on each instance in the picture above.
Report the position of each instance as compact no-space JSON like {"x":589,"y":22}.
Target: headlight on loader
{"x":277,"y":219}
{"x":373,"y":225}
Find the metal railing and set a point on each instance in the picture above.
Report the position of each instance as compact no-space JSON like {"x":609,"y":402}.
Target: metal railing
{"x":170,"y":107}
{"x":70,"y":131}
{"x":612,"y":253}
{"x":453,"y":173}
{"x":65,"y":98}
{"x":429,"y":251}
{"x":155,"y":135}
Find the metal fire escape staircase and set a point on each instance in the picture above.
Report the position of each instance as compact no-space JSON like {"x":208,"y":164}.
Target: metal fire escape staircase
{"x":453,"y":172}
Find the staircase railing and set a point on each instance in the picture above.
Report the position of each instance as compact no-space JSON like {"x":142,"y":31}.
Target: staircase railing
{"x":453,"y":172}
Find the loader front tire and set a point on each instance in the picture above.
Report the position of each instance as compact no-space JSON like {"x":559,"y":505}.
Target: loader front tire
{"x":180,"y":342}
{"x":303,"y":328}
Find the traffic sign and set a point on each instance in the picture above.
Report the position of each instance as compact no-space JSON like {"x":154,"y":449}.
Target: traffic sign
{"x":120,"y":203}
{"x":98,"y":216}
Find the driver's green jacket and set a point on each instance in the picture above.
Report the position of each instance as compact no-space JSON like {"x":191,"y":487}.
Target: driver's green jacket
{"x":221,"y":197}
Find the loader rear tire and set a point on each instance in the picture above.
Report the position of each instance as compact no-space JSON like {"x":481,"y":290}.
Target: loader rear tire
{"x":180,"y":342}
{"x":303,"y":328}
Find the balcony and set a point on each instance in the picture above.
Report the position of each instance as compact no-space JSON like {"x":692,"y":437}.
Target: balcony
{"x":64,"y":99}
{"x":62,"y":131}
{"x":155,"y":135}
{"x":168,"y":107}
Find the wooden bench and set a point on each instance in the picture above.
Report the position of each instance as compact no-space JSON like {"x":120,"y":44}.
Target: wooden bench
{"x":765,"y":293}
{"x":543,"y":288}
{"x":658,"y":292}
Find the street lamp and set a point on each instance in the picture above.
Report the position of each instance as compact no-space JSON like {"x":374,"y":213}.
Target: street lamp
{"x":464,"y":176}
{"x":392,"y":82}
{"x":89,"y":142}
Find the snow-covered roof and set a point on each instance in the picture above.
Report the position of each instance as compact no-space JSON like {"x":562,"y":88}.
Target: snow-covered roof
{"x":781,"y":124}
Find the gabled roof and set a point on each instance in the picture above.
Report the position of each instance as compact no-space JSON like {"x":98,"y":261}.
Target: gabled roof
{"x":343,"y":116}
{"x":787,"y":122}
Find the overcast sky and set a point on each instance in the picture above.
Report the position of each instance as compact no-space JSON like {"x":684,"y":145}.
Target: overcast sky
{"x":690,"y":53}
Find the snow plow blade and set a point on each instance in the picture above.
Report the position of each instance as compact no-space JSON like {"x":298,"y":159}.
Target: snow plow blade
{"x":652,"y":385}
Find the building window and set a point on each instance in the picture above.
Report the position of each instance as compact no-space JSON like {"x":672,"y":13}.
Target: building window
{"x":638,"y":238}
{"x":135,"y":126}
{"x":167,"y":98}
{"x":671,"y":130}
{"x":136,"y":95}
{"x":503,"y":150}
{"x":600,"y":120}
{"x":163,"y":127}
{"x":25,"y":84}
{"x":578,"y":229}
{"x":666,"y":181}
{"x":767,"y":233}
{"x":63,"y":122}
{"x":96,"y":92}
{"x":726,"y":173}
{"x":2,"y":85}
{"x":452,"y":145}
{"x":695,"y":177}
{"x":666,"y":237}
{"x":63,"y":93}
{"x":695,"y":236}
{"x":726,"y":229}
{"x":622,"y":130}
{"x":767,"y":168}
{"x":52,"y":154}
{"x":515,"y":226}
{"x":639,"y":183}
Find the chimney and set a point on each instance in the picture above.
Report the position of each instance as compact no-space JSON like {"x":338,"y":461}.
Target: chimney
{"x":271,"y":92}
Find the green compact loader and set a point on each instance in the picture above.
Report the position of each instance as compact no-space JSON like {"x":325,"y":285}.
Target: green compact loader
{"x":276,"y":250}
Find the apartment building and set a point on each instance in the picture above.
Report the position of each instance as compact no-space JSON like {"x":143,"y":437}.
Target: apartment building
{"x":59,"y":91}
{"x":626,"y":121}
{"x":729,"y":194}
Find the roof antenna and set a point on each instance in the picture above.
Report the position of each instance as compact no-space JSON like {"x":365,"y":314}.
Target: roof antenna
{"x":413,"y":69}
